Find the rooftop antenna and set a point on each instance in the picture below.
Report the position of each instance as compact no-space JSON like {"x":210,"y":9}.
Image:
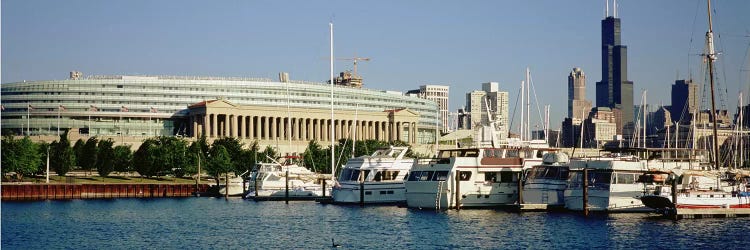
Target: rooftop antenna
{"x":606,"y":9}
{"x":614,"y":8}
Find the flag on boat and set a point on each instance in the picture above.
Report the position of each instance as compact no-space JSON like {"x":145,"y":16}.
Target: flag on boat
{"x":93,"y":108}
{"x":2,"y":107}
{"x":30,"y":107}
{"x":153,"y":110}
{"x":123,"y":109}
{"x":61,"y":107}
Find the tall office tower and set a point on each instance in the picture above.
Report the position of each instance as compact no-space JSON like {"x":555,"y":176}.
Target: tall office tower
{"x":476,"y":106}
{"x":614,"y":90}
{"x":439,"y":94}
{"x":578,"y":106}
{"x":684,"y":101}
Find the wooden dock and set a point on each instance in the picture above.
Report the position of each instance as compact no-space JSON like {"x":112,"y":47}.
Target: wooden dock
{"x":15,"y":192}
{"x":684,"y":213}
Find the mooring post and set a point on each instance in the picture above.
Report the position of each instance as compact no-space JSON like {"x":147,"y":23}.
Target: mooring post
{"x":674,"y":198}
{"x":520,"y":189}
{"x":585,"y":192}
{"x":458,"y":190}
{"x":286,"y":189}
{"x":324,"y":187}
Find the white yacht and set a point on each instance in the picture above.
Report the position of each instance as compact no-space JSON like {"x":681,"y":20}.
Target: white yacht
{"x":545,"y":184}
{"x":274,"y":180}
{"x":699,"y":190}
{"x":380,"y":177}
{"x":487,"y":177}
{"x":237,"y":185}
{"x":613,"y":184}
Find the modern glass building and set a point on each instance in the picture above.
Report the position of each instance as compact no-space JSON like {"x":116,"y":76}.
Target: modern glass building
{"x":138,"y":106}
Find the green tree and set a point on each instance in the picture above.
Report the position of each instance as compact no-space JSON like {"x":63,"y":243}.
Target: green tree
{"x":196,"y":153}
{"x":90,"y":154}
{"x":234,"y":149}
{"x":160,"y":155}
{"x":105,"y":157}
{"x":62,"y":157}
{"x":78,"y":150}
{"x":218,"y":162}
{"x":19,"y":156}
{"x":143,"y":158}
{"x":249,"y":157}
{"x":267,"y":154}
{"x":173,"y":154}
{"x":44,"y":150}
{"x":123,"y":158}
{"x":317,"y":158}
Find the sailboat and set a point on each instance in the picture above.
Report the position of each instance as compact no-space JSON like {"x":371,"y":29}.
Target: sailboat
{"x":703,"y":189}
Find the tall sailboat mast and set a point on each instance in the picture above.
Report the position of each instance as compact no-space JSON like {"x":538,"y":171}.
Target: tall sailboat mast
{"x":333,"y":151}
{"x":710,"y":58}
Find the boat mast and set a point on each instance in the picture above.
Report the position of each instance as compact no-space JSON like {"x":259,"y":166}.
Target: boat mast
{"x":644,"y":110}
{"x":333,"y":151}
{"x":527,"y":127}
{"x":710,"y":58}
{"x":520,"y":125}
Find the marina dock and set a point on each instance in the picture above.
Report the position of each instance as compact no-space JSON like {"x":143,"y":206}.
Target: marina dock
{"x":711,"y":213}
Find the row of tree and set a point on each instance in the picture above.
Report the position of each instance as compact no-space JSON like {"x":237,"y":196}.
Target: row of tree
{"x":159,"y":156}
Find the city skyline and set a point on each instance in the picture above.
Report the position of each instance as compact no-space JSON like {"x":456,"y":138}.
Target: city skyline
{"x":460,"y":45}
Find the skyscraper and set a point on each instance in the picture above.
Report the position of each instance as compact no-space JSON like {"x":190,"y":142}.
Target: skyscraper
{"x":684,"y":101}
{"x":614,"y":90}
{"x":578,"y":106}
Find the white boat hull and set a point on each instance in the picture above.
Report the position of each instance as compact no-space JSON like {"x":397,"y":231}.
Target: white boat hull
{"x":375,"y":193}
{"x":606,"y":201}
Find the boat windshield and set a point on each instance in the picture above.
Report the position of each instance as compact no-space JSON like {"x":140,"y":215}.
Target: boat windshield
{"x":596,"y":180}
{"x":549,"y":172}
{"x":353,"y":174}
{"x":458,"y":153}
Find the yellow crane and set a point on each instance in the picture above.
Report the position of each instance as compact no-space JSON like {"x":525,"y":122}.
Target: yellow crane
{"x":354,"y":59}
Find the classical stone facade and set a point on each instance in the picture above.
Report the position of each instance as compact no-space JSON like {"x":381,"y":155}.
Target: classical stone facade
{"x":221,"y":118}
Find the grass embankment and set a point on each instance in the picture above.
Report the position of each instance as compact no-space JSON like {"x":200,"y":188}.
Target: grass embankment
{"x":110,"y":180}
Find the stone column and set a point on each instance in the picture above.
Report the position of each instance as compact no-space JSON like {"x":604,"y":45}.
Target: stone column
{"x":267,"y":128}
{"x":305,"y":129}
{"x":252,"y":127}
{"x":212,"y":126}
{"x":274,"y":128}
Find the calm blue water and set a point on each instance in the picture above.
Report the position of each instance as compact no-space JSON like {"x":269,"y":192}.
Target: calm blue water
{"x":216,"y":223}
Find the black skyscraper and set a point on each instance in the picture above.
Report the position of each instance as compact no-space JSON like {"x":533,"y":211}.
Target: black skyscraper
{"x":614,"y":90}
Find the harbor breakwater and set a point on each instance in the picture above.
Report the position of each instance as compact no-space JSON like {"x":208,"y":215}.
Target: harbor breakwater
{"x":10,"y":192}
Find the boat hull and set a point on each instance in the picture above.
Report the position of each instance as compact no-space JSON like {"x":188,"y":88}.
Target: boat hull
{"x":375,"y":193}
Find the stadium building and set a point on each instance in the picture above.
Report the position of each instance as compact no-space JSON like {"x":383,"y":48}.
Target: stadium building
{"x":281,"y":113}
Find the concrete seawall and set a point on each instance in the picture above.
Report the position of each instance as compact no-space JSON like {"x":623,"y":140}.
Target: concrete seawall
{"x":10,"y":192}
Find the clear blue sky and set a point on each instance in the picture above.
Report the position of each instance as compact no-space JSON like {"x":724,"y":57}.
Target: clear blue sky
{"x":455,"y":43}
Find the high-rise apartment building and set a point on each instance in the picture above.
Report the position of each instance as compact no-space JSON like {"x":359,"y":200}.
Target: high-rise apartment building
{"x":614,"y":90}
{"x":684,"y":101}
{"x":490,"y":96}
{"x":439,"y":94}
{"x":578,"y":106}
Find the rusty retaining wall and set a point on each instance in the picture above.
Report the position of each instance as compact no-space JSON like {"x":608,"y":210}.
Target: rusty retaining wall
{"x":96,"y":191}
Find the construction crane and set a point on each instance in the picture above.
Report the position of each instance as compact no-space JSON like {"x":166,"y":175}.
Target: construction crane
{"x":355,"y":59}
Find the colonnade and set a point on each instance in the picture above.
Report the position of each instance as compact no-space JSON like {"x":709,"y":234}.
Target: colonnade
{"x":267,"y":127}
